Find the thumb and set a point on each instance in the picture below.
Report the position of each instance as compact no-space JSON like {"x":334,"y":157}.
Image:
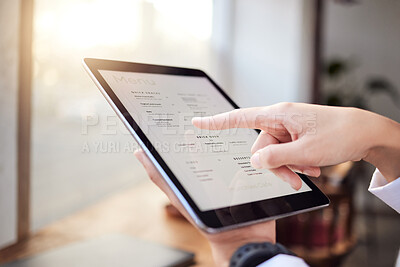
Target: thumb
{"x":276,"y":155}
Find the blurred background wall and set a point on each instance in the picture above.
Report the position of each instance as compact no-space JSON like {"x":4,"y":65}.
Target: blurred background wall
{"x":9,"y":26}
{"x":272,"y":51}
{"x":365,"y":33}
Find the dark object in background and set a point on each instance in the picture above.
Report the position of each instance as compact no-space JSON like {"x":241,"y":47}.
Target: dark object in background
{"x":347,"y":1}
{"x":112,"y":250}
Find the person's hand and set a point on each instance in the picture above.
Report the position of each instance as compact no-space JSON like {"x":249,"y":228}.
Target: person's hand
{"x":223,"y":244}
{"x":303,"y":137}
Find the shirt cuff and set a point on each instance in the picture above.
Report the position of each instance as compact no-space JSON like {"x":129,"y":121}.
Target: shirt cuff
{"x":387,"y":192}
{"x":283,"y":260}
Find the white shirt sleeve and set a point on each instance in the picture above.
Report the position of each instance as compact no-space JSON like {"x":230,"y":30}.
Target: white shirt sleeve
{"x":284,"y":260}
{"x":387,"y":192}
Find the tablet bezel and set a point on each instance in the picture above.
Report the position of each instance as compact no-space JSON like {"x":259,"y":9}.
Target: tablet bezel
{"x":212,"y":220}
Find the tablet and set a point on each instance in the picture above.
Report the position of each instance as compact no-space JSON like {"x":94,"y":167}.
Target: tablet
{"x":209,"y":171}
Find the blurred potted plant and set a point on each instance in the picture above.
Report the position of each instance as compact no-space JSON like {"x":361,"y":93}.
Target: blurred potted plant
{"x":342,"y":90}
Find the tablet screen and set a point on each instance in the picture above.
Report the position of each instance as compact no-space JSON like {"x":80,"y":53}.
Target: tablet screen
{"x":213,"y":166}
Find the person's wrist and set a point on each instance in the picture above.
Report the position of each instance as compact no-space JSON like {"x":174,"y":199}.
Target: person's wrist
{"x":253,"y":254}
{"x":223,"y":252}
{"x":384,"y":149}
{"x":225,"y":244}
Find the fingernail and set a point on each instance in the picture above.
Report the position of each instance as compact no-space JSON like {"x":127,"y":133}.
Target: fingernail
{"x":255,"y":161}
{"x":196,"y":120}
{"x":308,"y":172}
{"x":294,"y":187}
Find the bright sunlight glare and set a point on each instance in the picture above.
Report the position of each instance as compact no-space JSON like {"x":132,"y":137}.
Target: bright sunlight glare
{"x":86,"y":24}
{"x":193,"y":16}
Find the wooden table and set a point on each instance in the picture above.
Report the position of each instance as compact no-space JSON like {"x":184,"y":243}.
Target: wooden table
{"x":138,"y":212}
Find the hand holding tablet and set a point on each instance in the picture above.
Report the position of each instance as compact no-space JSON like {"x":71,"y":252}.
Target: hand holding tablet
{"x":209,"y":171}
{"x":342,"y":134}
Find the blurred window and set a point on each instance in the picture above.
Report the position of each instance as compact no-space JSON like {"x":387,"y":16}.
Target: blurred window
{"x":81,"y":152}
